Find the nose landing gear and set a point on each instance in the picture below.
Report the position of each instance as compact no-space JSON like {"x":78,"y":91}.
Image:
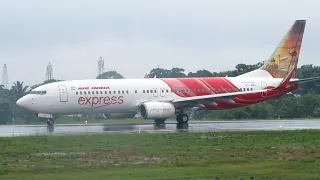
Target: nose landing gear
{"x":50,"y":122}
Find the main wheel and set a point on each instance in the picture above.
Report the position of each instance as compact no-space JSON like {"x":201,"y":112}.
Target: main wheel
{"x":50,"y":122}
{"x":182,"y":118}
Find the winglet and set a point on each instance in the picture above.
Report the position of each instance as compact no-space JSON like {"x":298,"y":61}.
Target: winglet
{"x":286,"y":80}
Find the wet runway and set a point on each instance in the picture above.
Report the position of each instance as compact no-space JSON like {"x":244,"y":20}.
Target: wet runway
{"x":193,"y":126}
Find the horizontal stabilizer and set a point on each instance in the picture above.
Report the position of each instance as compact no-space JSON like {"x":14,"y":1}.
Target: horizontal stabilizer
{"x":299,"y":81}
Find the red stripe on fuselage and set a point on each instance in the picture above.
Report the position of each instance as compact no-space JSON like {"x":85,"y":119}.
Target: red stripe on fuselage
{"x":219,"y":85}
{"x":200,"y":86}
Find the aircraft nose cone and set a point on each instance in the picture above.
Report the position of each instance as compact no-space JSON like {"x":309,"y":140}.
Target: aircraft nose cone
{"x":22,"y":102}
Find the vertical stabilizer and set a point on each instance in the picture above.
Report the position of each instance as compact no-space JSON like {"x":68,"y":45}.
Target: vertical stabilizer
{"x":285,"y":57}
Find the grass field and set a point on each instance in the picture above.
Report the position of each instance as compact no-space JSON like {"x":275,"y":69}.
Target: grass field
{"x":214,"y":155}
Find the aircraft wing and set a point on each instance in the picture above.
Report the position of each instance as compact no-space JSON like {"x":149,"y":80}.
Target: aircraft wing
{"x":216,"y":96}
{"x":304,"y":80}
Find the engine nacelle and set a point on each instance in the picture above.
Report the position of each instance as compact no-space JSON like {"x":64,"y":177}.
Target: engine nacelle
{"x":157,"y":110}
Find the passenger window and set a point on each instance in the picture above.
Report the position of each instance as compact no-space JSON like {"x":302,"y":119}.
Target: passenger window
{"x":88,"y":92}
{"x":248,"y":89}
{"x":122,"y":91}
{"x":127,"y":92}
{"x":147,"y":91}
{"x":167,"y":91}
{"x":119,"y":92}
{"x":162,"y":91}
{"x":80,"y":92}
{"x":106,"y":92}
{"x":97,"y":92}
{"x":114,"y":92}
{"x":92,"y":92}
{"x":76,"y":93}
{"x":85,"y":92}
{"x":110,"y":92}
{"x":101,"y":92}
{"x":151,"y":91}
{"x":144,"y":91}
{"x":136,"y":91}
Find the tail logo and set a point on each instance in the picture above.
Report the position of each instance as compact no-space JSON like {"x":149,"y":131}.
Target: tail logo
{"x":285,"y":57}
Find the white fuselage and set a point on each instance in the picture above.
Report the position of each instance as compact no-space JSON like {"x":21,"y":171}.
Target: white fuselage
{"x":115,"y":95}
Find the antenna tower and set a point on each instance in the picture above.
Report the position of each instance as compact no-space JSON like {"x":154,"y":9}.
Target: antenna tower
{"x":5,"y":77}
{"x":100,"y":66}
{"x":49,"y":73}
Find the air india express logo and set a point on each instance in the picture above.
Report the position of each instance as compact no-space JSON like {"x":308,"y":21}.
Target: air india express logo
{"x":100,"y":101}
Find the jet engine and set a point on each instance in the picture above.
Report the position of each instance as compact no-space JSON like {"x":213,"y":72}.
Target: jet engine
{"x":157,"y":110}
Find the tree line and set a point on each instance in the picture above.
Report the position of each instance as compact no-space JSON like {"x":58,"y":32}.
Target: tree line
{"x":302,"y":103}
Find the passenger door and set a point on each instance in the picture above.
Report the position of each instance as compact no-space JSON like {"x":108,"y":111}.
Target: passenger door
{"x":63,"y":93}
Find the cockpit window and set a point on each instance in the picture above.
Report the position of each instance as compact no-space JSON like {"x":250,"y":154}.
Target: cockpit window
{"x":38,"y":92}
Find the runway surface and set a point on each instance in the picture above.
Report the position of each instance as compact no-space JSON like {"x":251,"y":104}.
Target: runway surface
{"x":193,"y":126}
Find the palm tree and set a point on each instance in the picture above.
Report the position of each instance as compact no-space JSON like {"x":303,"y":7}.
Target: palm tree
{"x":18,"y":89}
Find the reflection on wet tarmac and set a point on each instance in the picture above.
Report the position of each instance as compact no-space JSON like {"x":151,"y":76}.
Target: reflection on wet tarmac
{"x":195,"y":126}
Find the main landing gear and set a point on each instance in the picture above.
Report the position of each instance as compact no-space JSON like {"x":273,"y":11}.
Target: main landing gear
{"x":182,"y":118}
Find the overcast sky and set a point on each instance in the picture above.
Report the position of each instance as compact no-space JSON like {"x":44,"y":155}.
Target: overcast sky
{"x":134,"y":36}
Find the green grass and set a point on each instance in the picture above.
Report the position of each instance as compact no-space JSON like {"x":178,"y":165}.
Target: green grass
{"x":214,"y":155}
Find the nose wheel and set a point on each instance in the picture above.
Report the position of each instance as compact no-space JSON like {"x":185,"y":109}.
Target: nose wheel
{"x":182,"y":118}
{"x":50,"y":122}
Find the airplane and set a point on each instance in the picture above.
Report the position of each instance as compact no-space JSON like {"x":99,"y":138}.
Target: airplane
{"x":159,"y":99}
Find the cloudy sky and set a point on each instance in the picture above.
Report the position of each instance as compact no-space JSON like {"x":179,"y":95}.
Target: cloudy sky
{"x":134,"y":36}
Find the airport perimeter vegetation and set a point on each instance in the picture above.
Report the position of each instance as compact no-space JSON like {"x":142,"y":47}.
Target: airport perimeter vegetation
{"x":212,"y":155}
